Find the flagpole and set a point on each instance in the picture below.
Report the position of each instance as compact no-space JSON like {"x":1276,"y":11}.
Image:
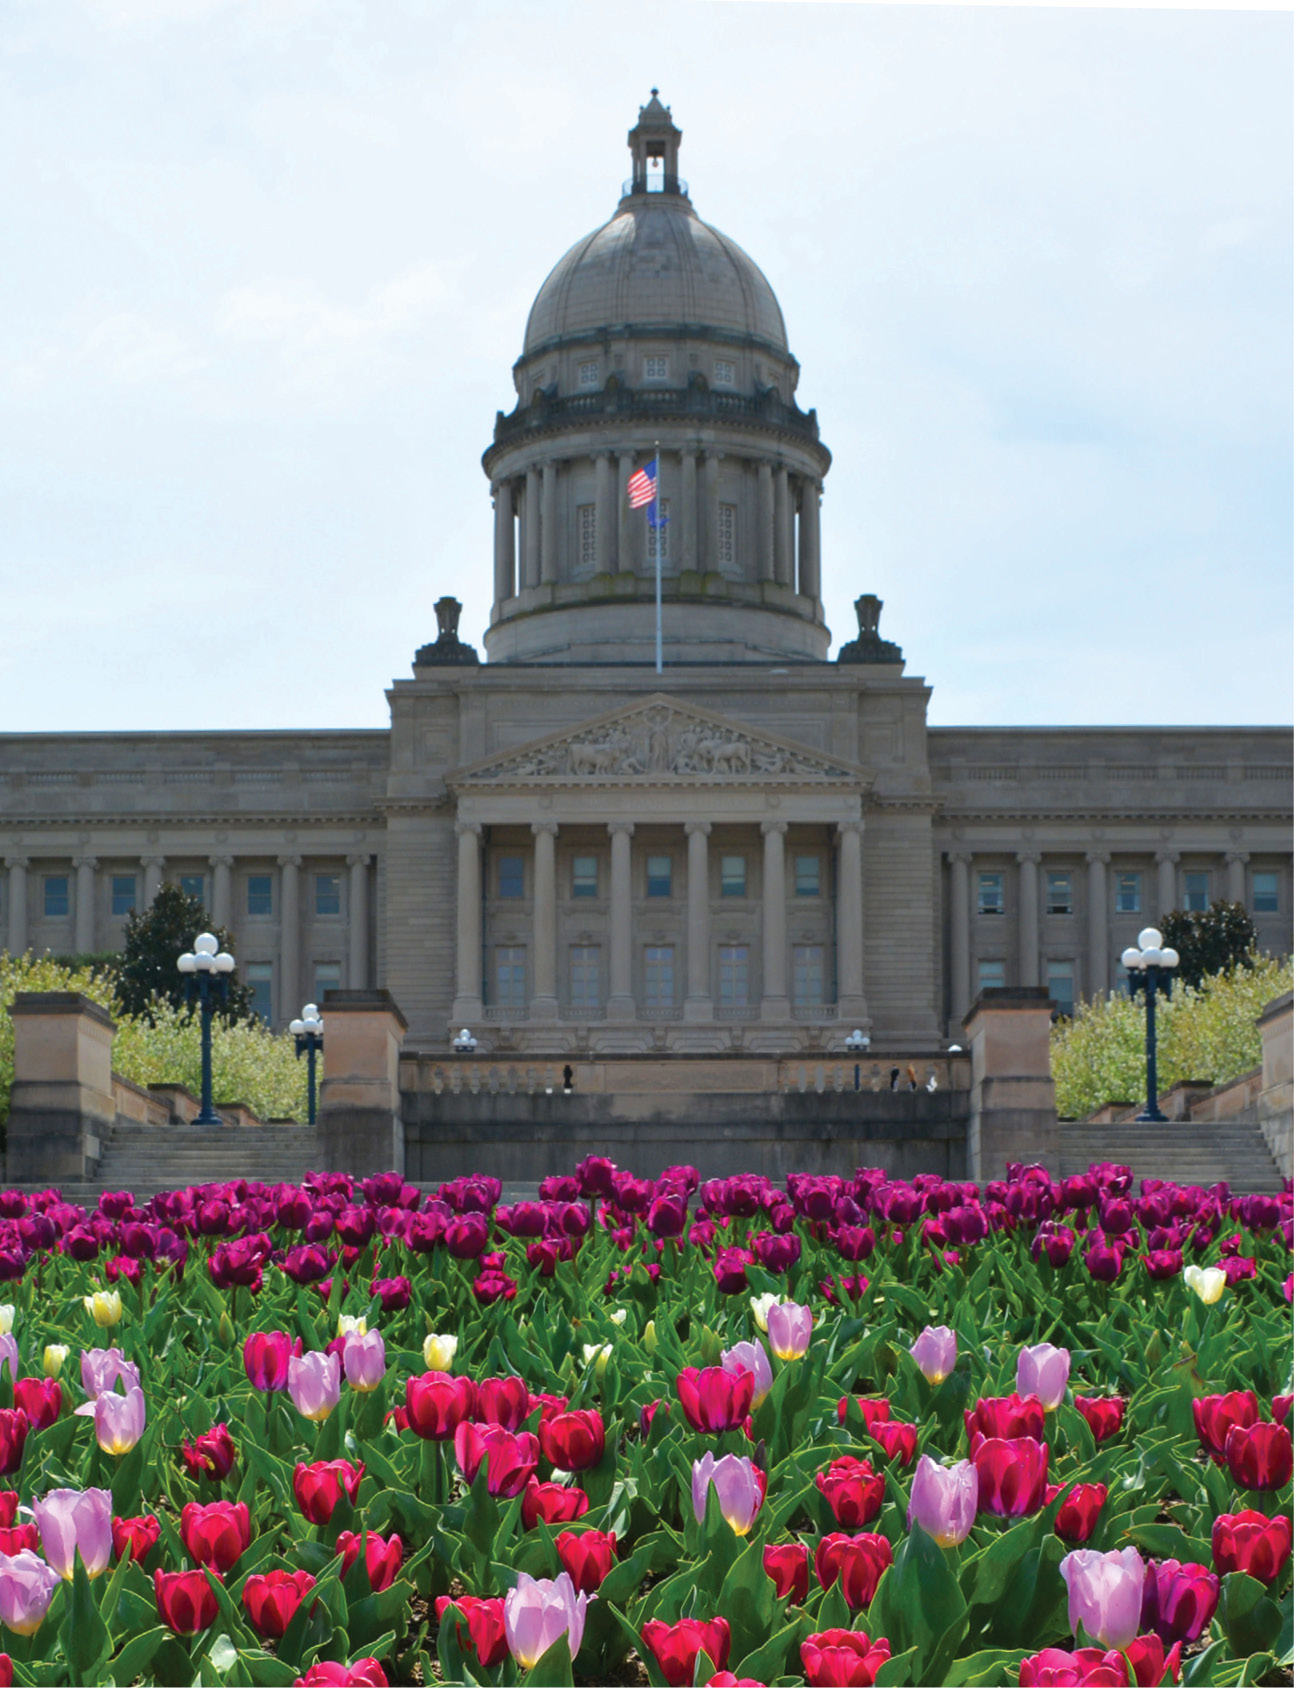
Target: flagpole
{"x":656,"y":528}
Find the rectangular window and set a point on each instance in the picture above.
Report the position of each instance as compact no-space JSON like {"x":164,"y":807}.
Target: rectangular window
{"x":123,"y":893}
{"x":658,"y":536}
{"x":1060,"y":987}
{"x":1127,"y":893}
{"x":194,"y":885}
{"x":991,"y":975}
{"x":327,"y":978}
{"x":808,"y":876}
{"x":512,"y":876}
{"x":585,"y":984}
{"x":588,"y":374}
{"x":660,"y":876}
{"x":655,"y":369}
{"x":660,"y":975}
{"x":806,"y":975}
{"x":732,"y":876}
{"x":260,"y":894}
{"x":258,"y":976}
{"x":586,"y":522}
{"x":1196,"y":886}
{"x":734,"y":975}
{"x":584,"y":876}
{"x":727,"y":536}
{"x":327,"y":893}
{"x":510,"y":976}
{"x":992,"y":897}
{"x":57,"y":899}
{"x":1060,"y":893}
{"x":724,"y":373}
{"x":1267,"y":897}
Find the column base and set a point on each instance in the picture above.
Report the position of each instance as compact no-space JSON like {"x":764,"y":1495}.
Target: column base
{"x":697,"y":1008}
{"x":851,"y":1012}
{"x":467,"y":1011}
{"x":543,"y":1009}
{"x":775,"y":1008}
{"x":621,"y":1010}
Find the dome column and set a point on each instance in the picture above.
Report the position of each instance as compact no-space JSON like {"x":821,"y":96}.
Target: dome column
{"x":504,"y":544}
{"x":548,"y":528}
{"x":687,"y":557}
{"x":810,"y":562}
{"x":697,"y":1004}
{"x":606,"y":512}
{"x":783,"y":525}
{"x":764,"y":530}
{"x":625,"y":545}
{"x":710,"y":560}
{"x":530,"y":530}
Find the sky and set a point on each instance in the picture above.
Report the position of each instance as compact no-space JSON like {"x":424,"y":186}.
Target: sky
{"x":267,"y":264}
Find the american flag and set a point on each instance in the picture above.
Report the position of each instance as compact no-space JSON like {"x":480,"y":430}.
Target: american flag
{"x":642,"y":486}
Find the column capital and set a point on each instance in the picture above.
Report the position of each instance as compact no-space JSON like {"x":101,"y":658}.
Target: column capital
{"x":358,"y":861}
{"x":462,"y":828}
{"x":692,"y":828}
{"x":1097,"y":857}
{"x":289,"y":861}
{"x":152,"y":861}
{"x":773,"y":826}
{"x":1168,"y":856}
{"x":844,"y":827}
{"x":550,"y":827}
{"x":963,"y":857}
{"x":17,"y":861}
{"x":712,"y":454}
{"x":1026,"y":856}
{"x":85,"y":861}
{"x":613,"y":827}
{"x":220,"y":861}
{"x":1241,"y":856}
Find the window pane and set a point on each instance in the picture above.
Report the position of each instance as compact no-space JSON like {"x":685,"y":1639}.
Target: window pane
{"x":259,"y":977}
{"x":585,"y":990}
{"x":194,"y":885}
{"x":588,"y":375}
{"x":57,"y":900}
{"x":991,"y":896}
{"x":327,"y":893}
{"x":123,"y":893}
{"x":655,"y":369}
{"x":660,"y":976}
{"x":1060,"y":893}
{"x":512,"y":876}
{"x":327,"y":978}
{"x":510,"y":977}
{"x":1197,"y":892}
{"x":724,"y":373}
{"x":584,"y":876}
{"x":992,"y":975}
{"x":733,"y":975}
{"x":1127,"y":893}
{"x":808,"y":876}
{"x":806,"y":975}
{"x":1060,"y":986}
{"x":732,"y":876}
{"x":1266,"y":894}
{"x":260,"y":894}
{"x":660,"y":871}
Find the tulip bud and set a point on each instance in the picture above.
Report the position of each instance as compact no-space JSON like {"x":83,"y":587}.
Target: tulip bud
{"x":1105,"y":1591}
{"x":104,"y":1307}
{"x":935,"y":1353}
{"x":650,"y":1340}
{"x":1043,"y":1371}
{"x":6,"y":1317}
{"x":55,"y":1354}
{"x":944,"y":1500}
{"x":225,"y":1330}
{"x":759,"y":1306}
{"x":789,"y":1329}
{"x":597,"y":1355}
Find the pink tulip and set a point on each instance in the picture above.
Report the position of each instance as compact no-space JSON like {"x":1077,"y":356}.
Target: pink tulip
{"x":103,"y":1368}
{"x":789,"y":1329}
{"x":538,"y":1612}
{"x":737,"y":1484}
{"x":118,"y":1419}
{"x":935,"y":1352}
{"x":944,"y":1500}
{"x":1043,"y":1371}
{"x":314,"y":1383}
{"x":364,"y":1358}
{"x":73,"y":1521}
{"x":751,"y":1357}
{"x":27,"y":1586}
{"x":1105,"y":1591}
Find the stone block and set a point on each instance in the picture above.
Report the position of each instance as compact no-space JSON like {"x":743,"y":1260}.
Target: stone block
{"x":360,"y":1128}
{"x":62,"y":1101}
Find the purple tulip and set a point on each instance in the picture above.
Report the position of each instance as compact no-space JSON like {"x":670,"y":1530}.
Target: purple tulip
{"x":314,"y":1383}
{"x":9,"y":1354}
{"x":737,"y":1484}
{"x":1105,"y":1591}
{"x":27,"y":1586}
{"x":118,"y":1419}
{"x":935,"y":1352}
{"x":789,"y":1329}
{"x":73,"y":1521}
{"x":1043,"y":1371}
{"x":944,"y":1500}
{"x":753,"y":1358}
{"x":103,"y":1368}
{"x":364,"y":1358}
{"x":538,"y":1612}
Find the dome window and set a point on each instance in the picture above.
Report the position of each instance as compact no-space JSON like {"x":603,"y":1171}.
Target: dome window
{"x":725,"y":374}
{"x":588,"y":374}
{"x":655,"y":368}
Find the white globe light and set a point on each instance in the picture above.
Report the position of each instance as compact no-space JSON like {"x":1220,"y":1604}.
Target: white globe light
{"x":310,"y":1012}
{"x":205,"y":944}
{"x":296,"y":1027}
{"x":1151,"y":957}
{"x":1170,"y":958}
{"x":1149,"y":938}
{"x":223,"y":963}
{"x":1131,"y":959}
{"x":187,"y":963}
{"x":203,"y":962}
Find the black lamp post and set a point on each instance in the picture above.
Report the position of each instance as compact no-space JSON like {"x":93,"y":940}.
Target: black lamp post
{"x":309,"y":1033}
{"x":1150,"y":972}
{"x":206,"y":968}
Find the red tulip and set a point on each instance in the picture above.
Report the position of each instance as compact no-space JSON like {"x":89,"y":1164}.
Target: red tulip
{"x":587,"y":1556}
{"x":510,"y":1460}
{"x":1251,"y":1542}
{"x":1178,"y":1601}
{"x":210,"y":1455}
{"x":1281,"y":1405}
{"x":1104,"y":1413}
{"x":1005,"y":1417}
{"x":6,"y":1671}
{"x":382,"y":1559}
{"x":898,"y":1440}
{"x":713,"y":1399}
{"x":186,"y":1601}
{"x":787,"y":1563}
{"x":503,"y":1400}
{"x":1079,"y":1510}
{"x":216,"y":1534}
{"x":859,"y":1561}
{"x":573,"y":1441}
{"x":1215,"y":1415}
{"x":135,"y":1536}
{"x":1012,"y":1474}
{"x":485,"y":1631}
{"x":1260,"y":1456}
{"x":41,"y":1398}
{"x":8,"y":1506}
{"x":1087,"y":1667}
{"x":326,"y":1673}
{"x":272,"y":1599}
{"x":265,"y":1358}
{"x":19,"y":1536}
{"x":842,"y":1658}
{"x":555,"y":1503}
{"x":438,"y":1403}
{"x":14,"y":1425}
{"x":874,"y":1408}
{"x":852,"y":1489}
{"x":1149,"y":1662}
{"x":677,"y":1646}
{"x":319,"y":1487}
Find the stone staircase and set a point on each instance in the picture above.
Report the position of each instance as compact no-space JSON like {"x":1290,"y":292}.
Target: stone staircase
{"x":147,"y":1158}
{"x":1186,"y":1152}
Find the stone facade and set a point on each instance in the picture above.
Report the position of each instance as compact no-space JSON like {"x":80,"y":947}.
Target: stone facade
{"x":752,"y":851}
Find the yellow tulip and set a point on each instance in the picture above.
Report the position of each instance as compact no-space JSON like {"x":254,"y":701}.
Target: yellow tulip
{"x":104,"y":1307}
{"x":55,"y":1354}
{"x":347,"y":1326}
{"x":598,"y":1356}
{"x":438,"y":1351}
{"x":759,"y":1306}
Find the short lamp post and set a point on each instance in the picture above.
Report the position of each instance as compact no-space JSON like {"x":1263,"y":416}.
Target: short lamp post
{"x":857,"y":1043}
{"x":309,"y":1033}
{"x":464,"y":1043}
{"x":206,"y":968}
{"x":1150,"y":971}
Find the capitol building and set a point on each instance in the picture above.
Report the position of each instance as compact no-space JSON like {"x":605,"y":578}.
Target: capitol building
{"x":756,"y":849}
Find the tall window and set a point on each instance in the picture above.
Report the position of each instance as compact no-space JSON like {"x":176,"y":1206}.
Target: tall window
{"x":260,"y":893}
{"x":259,"y":978}
{"x":732,"y":876}
{"x":991,"y":975}
{"x":584,"y":876}
{"x":992,"y":896}
{"x":808,"y":876}
{"x":123,"y":893}
{"x":658,"y":537}
{"x":327,"y":978}
{"x":327,"y":893}
{"x":655,"y":368}
{"x":588,"y":374}
{"x":660,"y":876}
{"x":724,"y":372}
{"x":1060,"y":893}
{"x":512,"y":876}
{"x":1196,"y":886}
{"x":585,"y":984}
{"x":194,"y":885}
{"x":806,"y":975}
{"x":659,"y":976}
{"x":58,"y":901}
{"x":734,"y":975}
{"x":510,"y":976}
{"x":727,"y":536}
{"x":1127,"y":893}
{"x":586,"y":519}
{"x":1267,"y":897}
{"x":1060,"y":986}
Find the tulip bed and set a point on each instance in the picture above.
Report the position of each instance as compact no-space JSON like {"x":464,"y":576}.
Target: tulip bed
{"x":843,"y":1431}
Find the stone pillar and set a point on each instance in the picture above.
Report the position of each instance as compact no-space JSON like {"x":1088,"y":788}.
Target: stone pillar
{"x":620,"y":1000}
{"x":625,"y":553}
{"x":605,"y":481}
{"x":222,"y":902}
{"x":851,"y":1002}
{"x":959,"y":991}
{"x":765,"y":523}
{"x":1237,"y":860}
{"x":1167,"y":861}
{"x":1098,"y":923}
{"x":710,"y":517}
{"x":687,"y":548}
{"x":1013,"y":1099}
{"x":468,"y":1009}
{"x":530,"y":524}
{"x":543,"y":1003}
{"x":153,"y":867}
{"x":775,"y":1004}
{"x":548,"y":549}
{"x":62,"y":1100}
{"x":810,"y":564}
{"x":1028,"y":920}
{"x":504,"y":548}
{"x":357,"y":912}
{"x":83,"y":939}
{"x":16,"y":940}
{"x":289,"y":936}
{"x":783,"y":525}
{"x":698,"y":1005}
{"x":1276,"y":1099}
{"x":360,"y":1128}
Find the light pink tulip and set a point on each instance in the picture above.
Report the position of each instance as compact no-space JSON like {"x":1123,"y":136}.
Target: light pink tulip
{"x":935,"y":1352}
{"x":27,"y":1586}
{"x":9,"y":1354}
{"x":1105,"y":1592}
{"x":103,"y":1368}
{"x":789,"y":1329}
{"x":750,"y":1357}
{"x":737,"y":1484}
{"x":538,"y":1612}
{"x":314,"y":1383}
{"x":73,"y":1521}
{"x":118,"y":1419}
{"x":364,"y":1358}
{"x":1043,"y":1371}
{"x":944,"y":1499}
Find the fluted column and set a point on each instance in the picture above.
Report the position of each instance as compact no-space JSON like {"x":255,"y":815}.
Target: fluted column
{"x":153,"y":867}
{"x":605,"y":483}
{"x":1098,"y":923}
{"x":222,"y":901}
{"x":810,"y":566}
{"x":625,"y":553}
{"x":959,"y":983}
{"x":84,"y":926}
{"x":530,"y":529}
{"x":783,"y":522}
{"x":543,"y":1004}
{"x":775,"y":1003}
{"x":1028,"y":921}
{"x":1167,"y":861}
{"x":1236,"y":862}
{"x":710,"y":514}
{"x":620,"y":1000}
{"x":687,"y":547}
{"x":16,"y":941}
{"x":357,"y":912}
{"x":289,"y":936}
{"x":698,"y":1004}
{"x":548,"y":549}
{"x":504,"y":547}
{"x":467,"y":1007}
{"x":765,"y":519}
{"x":849,"y":923}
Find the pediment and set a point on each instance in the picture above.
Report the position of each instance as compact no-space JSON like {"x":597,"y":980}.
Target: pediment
{"x":658,"y":742}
